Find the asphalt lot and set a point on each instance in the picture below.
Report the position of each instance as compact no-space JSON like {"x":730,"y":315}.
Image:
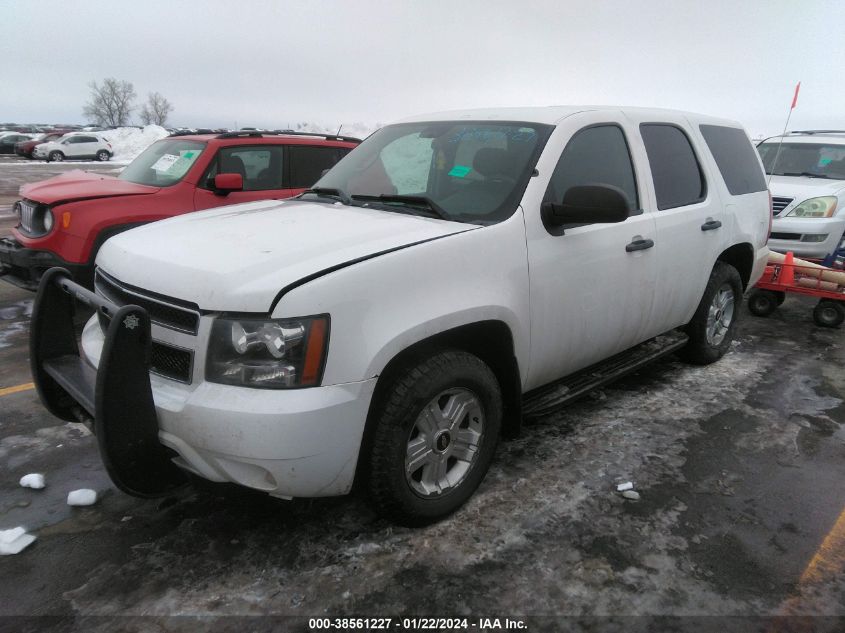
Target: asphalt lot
{"x":740,"y":466}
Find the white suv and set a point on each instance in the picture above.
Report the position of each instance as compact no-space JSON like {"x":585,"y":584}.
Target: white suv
{"x":451,"y":275}
{"x":808,"y":188}
{"x":74,"y":146}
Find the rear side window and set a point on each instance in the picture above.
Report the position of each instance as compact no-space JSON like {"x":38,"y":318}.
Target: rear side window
{"x":735,"y":158}
{"x":678,"y":179}
{"x":596,"y":155}
{"x":307,"y":163}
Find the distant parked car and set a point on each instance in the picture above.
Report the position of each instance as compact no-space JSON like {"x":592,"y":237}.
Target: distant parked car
{"x":74,"y":146}
{"x":27,"y":146}
{"x":63,"y":221}
{"x":8,"y":140}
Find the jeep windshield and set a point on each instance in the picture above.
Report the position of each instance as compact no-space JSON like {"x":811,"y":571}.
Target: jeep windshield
{"x":466,"y":171}
{"x":811,"y":160}
{"x":163,"y":163}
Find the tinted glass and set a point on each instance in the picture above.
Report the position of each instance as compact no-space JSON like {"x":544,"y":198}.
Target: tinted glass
{"x":595,"y":156}
{"x":260,"y":165}
{"x":474,"y":171}
{"x":735,"y":158}
{"x":678,"y":179}
{"x":307,"y":164}
{"x":804,"y":159}
{"x":163,"y":163}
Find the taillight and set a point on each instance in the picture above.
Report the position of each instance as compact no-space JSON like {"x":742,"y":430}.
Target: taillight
{"x":771,"y":215}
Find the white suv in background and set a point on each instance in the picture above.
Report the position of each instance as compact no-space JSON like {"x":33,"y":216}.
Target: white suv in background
{"x":452,"y":274}
{"x":74,"y":146}
{"x":808,"y":191}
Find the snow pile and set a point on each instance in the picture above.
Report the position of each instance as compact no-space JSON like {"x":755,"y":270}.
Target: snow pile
{"x":128,"y":142}
{"x":33,"y":480}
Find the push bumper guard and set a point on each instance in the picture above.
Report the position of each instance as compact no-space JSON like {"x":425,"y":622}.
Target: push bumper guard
{"x":117,"y":395}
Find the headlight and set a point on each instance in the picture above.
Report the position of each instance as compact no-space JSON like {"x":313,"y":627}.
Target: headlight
{"x":47,"y":221}
{"x":266,"y":353}
{"x":815,"y":208}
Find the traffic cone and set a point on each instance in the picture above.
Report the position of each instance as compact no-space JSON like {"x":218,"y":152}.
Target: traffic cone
{"x":787,"y":275}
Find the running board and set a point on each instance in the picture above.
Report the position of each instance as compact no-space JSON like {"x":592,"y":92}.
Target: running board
{"x":554,"y":396}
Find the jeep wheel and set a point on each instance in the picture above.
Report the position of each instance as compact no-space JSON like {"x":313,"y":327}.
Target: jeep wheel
{"x":435,"y":432}
{"x":56,"y":156}
{"x":762,"y":303}
{"x":102,"y":155}
{"x":829,"y":313}
{"x":711,"y":329}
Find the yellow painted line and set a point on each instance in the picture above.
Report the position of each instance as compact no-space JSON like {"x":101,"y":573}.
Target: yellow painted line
{"x":829,"y":559}
{"x":5,"y":391}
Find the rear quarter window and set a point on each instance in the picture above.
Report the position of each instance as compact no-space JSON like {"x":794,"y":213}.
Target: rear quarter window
{"x":735,"y":157}
{"x":678,"y":178}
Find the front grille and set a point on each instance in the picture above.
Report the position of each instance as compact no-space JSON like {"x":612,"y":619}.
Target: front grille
{"x":32,"y":218}
{"x":785,"y":236}
{"x":183,"y":318}
{"x":171,"y":362}
{"x":779,"y":204}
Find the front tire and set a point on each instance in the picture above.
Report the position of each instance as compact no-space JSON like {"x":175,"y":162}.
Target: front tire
{"x":55,"y":156}
{"x":435,"y":433}
{"x":712,"y":327}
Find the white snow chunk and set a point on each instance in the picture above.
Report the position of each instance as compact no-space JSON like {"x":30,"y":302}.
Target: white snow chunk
{"x":626,"y":486}
{"x":33,"y":480}
{"x":14,"y":541}
{"x":631,"y":494}
{"x":82,"y":497}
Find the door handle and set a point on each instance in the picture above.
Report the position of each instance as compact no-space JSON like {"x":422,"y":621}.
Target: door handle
{"x":711,"y":225}
{"x":639,"y":245}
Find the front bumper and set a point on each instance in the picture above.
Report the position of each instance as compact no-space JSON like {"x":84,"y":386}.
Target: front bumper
{"x":24,"y":267}
{"x":794,"y":234}
{"x":288,"y":443}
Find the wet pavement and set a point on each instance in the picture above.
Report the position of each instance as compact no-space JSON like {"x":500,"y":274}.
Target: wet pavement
{"x":740,"y":466}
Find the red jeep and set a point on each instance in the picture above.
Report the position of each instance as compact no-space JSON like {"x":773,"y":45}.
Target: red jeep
{"x":63,"y":221}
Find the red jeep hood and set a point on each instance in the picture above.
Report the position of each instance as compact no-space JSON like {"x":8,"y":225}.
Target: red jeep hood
{"x":82,"y":185}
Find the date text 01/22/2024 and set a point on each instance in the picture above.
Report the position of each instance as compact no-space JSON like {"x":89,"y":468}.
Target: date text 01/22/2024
{"x":415,"y":624}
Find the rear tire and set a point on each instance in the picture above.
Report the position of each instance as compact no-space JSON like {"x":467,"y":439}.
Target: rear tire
{"x":762,"y":303}
{"x":55,"y":156}
{"x":435,"y":433}
{"x":712,"y":327}
{"x":103,"y":156}
{"x":829,"y":313}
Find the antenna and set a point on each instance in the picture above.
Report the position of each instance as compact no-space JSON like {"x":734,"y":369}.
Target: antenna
{"x":339,"y":129}
{"x":786,"y":125}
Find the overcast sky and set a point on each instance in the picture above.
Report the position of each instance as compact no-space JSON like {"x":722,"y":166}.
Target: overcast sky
{"x":274,"y":63}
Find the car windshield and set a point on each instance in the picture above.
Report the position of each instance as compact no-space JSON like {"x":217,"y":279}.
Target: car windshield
{"x":163,"y":163}
{"x":467,"y":171}
{"x":813,"y":160}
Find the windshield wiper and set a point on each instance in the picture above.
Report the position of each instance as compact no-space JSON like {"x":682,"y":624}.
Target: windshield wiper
{"x":328,"y":192}
{"x":425,"y":202}
{"x":808,"y":174}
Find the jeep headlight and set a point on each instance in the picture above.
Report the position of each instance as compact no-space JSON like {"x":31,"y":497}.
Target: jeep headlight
{"x":47,"y":221}
{"x":815,"y":208}
{"x":267,"y":353}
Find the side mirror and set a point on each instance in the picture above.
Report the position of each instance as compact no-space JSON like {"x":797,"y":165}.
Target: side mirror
{"x":226,"y":183}
{"x":588,"y":204}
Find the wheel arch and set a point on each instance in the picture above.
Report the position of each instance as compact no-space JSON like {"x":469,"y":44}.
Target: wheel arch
{"x":741,"y":257}
{"x":490,"y":340}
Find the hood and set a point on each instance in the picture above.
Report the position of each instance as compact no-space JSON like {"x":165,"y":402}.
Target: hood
{"x":801,"y":187}
{"x":82,"y":185}
{"x":238,"y":258}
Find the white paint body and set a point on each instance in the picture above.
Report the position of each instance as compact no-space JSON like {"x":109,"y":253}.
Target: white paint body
{"x":568,"y":300}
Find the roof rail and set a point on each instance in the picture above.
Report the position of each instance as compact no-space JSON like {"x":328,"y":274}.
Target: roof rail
{"x":256,"y":134}
{"x":811,"y":132}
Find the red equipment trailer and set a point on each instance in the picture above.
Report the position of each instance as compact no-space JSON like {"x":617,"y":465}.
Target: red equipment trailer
{"x":827,"y":284}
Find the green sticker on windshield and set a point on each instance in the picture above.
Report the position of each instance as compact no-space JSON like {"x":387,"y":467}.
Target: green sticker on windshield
{"x":460,"y":171}
{"x":825,"y":161}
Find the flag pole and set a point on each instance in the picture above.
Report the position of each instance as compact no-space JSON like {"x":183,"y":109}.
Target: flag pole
{"x":786,"y":125}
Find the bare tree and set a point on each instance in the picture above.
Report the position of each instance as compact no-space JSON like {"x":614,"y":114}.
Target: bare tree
{"x":156,"y":109}
{"x":111,"y":103}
